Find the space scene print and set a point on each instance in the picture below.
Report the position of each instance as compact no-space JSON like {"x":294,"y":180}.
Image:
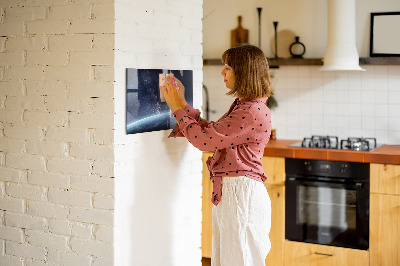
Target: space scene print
{"x":146,"y":109}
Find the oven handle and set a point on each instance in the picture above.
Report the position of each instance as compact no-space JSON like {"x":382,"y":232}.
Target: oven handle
{"x":324,"y":254}
{"x":357,"y":185}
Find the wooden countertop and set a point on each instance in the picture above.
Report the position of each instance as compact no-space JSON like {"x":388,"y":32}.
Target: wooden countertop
{"x":389,"y":154}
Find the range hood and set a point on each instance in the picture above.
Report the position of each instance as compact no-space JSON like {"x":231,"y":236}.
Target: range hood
{"x":341,"y":51}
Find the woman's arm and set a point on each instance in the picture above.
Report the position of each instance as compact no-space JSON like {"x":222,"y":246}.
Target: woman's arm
{"x":239,"y":127}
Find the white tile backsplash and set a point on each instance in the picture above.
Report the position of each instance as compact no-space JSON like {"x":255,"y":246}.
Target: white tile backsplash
{"x":343,"y":103}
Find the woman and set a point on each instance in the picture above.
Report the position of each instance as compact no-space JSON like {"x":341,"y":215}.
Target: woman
{"x":242,"y":208}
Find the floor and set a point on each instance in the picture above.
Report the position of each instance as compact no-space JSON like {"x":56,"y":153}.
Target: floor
{"x":206,"y":261}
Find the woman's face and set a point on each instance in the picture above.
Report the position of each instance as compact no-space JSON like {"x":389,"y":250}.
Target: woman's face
{"x":229,"y":76}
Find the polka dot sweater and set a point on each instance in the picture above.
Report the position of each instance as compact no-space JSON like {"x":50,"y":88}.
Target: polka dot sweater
{"x":238,"y":139}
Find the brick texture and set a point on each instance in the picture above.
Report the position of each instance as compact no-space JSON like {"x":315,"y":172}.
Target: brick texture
{"x":50,"y":106}
{"x":62,"y":98}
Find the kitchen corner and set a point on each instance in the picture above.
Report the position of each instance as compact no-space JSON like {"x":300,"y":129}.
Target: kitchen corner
{"x":382,"y":192}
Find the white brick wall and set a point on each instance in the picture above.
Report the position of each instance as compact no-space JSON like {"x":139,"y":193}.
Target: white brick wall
{"x":56,"y":132}
{"x":62,"y":141}
{"x":156,"y":177}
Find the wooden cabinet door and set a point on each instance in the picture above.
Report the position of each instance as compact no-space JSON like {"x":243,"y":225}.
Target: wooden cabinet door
{"x":206,"y":226}
{"x":274,"y":168}
{"x":304,"y":254}
{"x":277,"y":233}
{"x":385,"y":178}
{"x":384,"y":236}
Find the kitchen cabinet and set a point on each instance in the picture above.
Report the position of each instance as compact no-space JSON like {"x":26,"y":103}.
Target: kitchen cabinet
{"x":385,"y":214}
{"x":385,"y":178}
{"x":206,"y":225}
{"x":305,"y":254}
{"x":274,"y":168}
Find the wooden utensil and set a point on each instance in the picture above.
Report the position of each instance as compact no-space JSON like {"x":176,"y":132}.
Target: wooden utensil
{"x":239,"y":35}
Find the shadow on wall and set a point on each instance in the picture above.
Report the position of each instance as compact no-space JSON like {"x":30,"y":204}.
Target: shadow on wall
{"x":156,"y":192}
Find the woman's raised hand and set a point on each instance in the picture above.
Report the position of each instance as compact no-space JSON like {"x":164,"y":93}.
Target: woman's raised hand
{"x":174,"y":93}
{"x":181,"y":91}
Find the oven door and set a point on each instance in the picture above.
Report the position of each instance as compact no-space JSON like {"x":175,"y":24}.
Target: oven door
{"x":327,"y":213}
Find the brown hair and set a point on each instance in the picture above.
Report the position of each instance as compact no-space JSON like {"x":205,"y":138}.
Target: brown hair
{"x":250,"y":66}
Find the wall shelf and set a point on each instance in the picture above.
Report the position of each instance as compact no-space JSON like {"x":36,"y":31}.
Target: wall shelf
{"x":380,"y":61}
{"x":274,"y":63}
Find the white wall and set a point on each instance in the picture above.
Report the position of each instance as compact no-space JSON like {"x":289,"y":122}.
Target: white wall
{"x":344,"y":103}
{"x":158,"y":180}
{"x":56,"y":132}
{"x":305,"y":18}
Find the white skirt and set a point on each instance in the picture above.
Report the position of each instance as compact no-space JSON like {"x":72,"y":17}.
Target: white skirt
{"x":241,"y":223}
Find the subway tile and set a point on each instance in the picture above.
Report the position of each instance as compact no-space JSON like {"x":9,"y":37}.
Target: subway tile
{"x":329,"y":94}
{"x":355,"y":96}
{"x":381,"y":97}
{"x":304,"y":82}
{"x":317,"y":107}
{"x":342,"y":109}
{"x":342,"y":96}
{"x":367,"y":110}
{"x":381,"y":84}
{"x":394,"y":97}
{"x":394,"y":70}
{"x":316,"y":83}
{"x":394,"y":137}
{"x":381,"y":123}
{"x":328,"y":74}
{"x":355,"y":122}
{"x":315,"y":72}
{"x":367,"y":96}
{"x":304,"y":72}
{"x":342,"y":122}
{"x":291,"y":71}
{"x":355,"y":132}
{"x":355,"y":83}
{"x":367,"y":83}
{"x":342,"y":82}
{"x":292,"y":82}
{"x":329,"y":109}
{"x":382,"y":110}
{"x":355,"y":109}
{"x":394,"y":123}
{"x":329,"y":122}
{"x":394,"y":110}
{"x":382,"y":136}
{"x":317,"y":95}
{"x":394,"y":83}
{"x":380,"y":71}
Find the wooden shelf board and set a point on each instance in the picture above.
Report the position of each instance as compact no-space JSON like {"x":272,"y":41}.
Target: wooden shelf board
{"x":380,"y":61}
{"x":276,"y":62}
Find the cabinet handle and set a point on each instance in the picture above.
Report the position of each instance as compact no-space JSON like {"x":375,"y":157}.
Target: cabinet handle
{"x":324,"y":254}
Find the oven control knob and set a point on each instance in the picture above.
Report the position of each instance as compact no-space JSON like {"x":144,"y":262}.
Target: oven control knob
{"x":343,"y":168}
{"x":308,"y":166}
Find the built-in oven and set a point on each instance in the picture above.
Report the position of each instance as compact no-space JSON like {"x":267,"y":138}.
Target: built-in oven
{"x":327,"y":202}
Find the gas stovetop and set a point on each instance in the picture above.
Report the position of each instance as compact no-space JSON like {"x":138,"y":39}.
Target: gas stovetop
{"x":332,"y":142}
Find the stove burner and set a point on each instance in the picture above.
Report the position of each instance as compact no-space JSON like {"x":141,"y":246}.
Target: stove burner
{"x":332,"y":142}
{"x":328,"y":142}
{"x":358,"y":144}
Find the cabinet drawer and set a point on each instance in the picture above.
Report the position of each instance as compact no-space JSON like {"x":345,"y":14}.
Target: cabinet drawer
{"x":304,"y":254}
{"x":385,"y":178}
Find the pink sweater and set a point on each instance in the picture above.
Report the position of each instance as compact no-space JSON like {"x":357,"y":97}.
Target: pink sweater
{"x":238,"y":139}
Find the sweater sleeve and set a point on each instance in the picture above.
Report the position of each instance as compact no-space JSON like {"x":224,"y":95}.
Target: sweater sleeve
{"x":229,"y":131}
{"x":193,"y":113}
